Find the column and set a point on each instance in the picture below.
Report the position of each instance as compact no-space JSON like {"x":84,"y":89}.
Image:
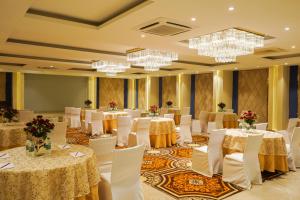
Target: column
{"x":92,"y":88}
{"x":131,"y":93}
{"x":18,"y":90}
{"x":184,"y":90}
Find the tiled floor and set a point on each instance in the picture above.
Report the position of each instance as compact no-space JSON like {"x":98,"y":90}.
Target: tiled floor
{"x":285,"y":187}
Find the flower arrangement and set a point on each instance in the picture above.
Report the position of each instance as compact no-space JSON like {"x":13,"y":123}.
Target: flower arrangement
{"x":37,"y":135}
{"x":169,"y":103}
{"x":88,"y":103}
{"x":247,"y":119}
{"x":113,"y":105}
{"x":153,"y":110}
{"x":221,"y":106}
{"x":8,"y":114}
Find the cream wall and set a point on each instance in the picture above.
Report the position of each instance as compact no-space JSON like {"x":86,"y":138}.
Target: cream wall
{"x":2,"y":86}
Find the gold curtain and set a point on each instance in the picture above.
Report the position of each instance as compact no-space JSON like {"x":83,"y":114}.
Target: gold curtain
{"x":169,"y":90}
{"x":111,"y":89}
{"x":203,"y":93}
{"x":141,"y":93}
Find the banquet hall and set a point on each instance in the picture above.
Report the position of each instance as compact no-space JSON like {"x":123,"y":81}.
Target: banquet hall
{"x":149,"y":100}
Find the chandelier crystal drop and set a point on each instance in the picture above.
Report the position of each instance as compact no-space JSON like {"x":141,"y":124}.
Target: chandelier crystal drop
{"x":109,"y":67}
{"x":151,"y":60}
{"x":226,"y":45}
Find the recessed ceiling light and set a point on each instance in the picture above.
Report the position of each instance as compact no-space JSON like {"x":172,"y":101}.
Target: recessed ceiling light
{"x":231,"y":8}
{"x":143,"y":35}
{"x":235,"y":68}
{"x":293,"y":47}
{"x":257,"y":66}
{"x":287,"y":28}
{"x":51,"y":66}
{"x":193,"y":19}
{"x":286,"y":63}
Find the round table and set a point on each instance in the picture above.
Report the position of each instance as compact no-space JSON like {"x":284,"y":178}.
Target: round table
{"x":230,"y":120}
{"x":272,"y":154}
{"x":55,"y":176}
{"x":162,"y":132}
{"x":177,"y":114}
{"x":12,"y":135}
{"x":110,"y":120}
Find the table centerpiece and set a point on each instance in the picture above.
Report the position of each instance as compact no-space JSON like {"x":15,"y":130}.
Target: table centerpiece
{"x":169,"y":104}
{"x":247,"y":120}
{"x":153,"y":111}
{"x":88,"y":103}
{"x":38,"y":143}
{"x":221,"y":106}
{"x":112,"y":106}
{"x":8,"y":115}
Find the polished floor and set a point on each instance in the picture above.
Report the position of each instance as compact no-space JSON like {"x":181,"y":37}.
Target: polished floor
{"x":285,"y":187}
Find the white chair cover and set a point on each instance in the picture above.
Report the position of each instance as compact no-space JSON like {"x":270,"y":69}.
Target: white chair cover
{"x":169,"y":116}
{"x":58,"y":134}
{"x":295,"y":146}
{"x":208,"y":160}
{"x":287,"y":134}
{"x":185,"y":134}
{"x":243,"y":169}
{"x":96,"y":124}
{"x":26,"y":115}
{"x":142,"y":133}
{"x":75,"y":118}
{"x":163,"y":111}
{"x":123,"y":183}
{"x":185,"y":111}
{"x":261,"y":126}
{"x":103,"y":148}
{"x":67,"y":116}
{"x":123,"y":131}
{"x":135,"y":114}
{"x":203,"y":117}
{"x":196,"y":129}
{"x":88,"y":117}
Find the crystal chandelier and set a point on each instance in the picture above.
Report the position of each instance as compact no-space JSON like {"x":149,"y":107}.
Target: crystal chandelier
{"x":226,"y":45}
{"x":109,"y":67}
{"x":151,"y":60}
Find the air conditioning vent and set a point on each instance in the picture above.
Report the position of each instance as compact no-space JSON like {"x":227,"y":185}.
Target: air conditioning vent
{"x":164,"y":27}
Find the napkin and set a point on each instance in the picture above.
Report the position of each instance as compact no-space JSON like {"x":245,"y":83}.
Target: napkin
{"x":77,"y":154}
{"x":4,"y":155}
{"x":64,"y":146}
{"x":6,"y":165}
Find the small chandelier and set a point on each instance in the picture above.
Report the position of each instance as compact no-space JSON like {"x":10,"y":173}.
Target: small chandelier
{"x":109,"y":67}
{"x":226,"y":45}
{"x":151,"y":60}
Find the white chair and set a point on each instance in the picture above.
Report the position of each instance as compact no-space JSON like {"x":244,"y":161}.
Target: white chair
{"x":102,"y":108}
{"x":203,"y":118}
{"x":163,"y":111}
{"x":26,"y":115}
{"x":196,"y":128}
{"x":184,"y":130}
{"x":217,"y":124}
{"x":67,"y":115}
{"x":287,"y":134}
{"x":103,"y":148}
{"x":185,"y":111}
{"x":87,"y":119}
{"x":123,"y":131}
{"x":293,"y":150}
{"x":261,"y":126}
{"x":96,"y":125}
{"x":135,"y":113}
{"x":229,"y":110}
{"x":208,"y":160}
{"x":123,"y":183}
{"x":58,"y":134}
{"x":75,"y":118}
{"x":242,"y":169}
{"x":169,"y":116}
{"x":142,"y":135}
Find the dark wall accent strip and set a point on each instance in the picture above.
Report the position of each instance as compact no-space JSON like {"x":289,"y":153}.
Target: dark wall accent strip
{"x":12,"y":64}
{"x":235,"y":86}
{"x":125,"y":93}
{"x":8,"y":89}
{"x":293,"y":94}
{"x":136,"y":93}
{"x":44,"y":58}
{"x":294,"y":55}
{"x":160,"y":85}
{"x":193,"y":89}
{"x":98,"y":93}
{"x":86,"y":21}
{"x":60,"y":46}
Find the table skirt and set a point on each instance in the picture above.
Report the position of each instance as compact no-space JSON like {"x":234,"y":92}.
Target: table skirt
{"x":163,"y":140}
{"x":93,"y":195}
{"x":109,"y":125}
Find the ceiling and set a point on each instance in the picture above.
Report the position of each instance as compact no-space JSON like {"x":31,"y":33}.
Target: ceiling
{"x":70,"y":34}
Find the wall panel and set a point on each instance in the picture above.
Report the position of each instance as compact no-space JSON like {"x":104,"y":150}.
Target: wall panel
{"x":142,"y":93}
{"x":253,"y":92}
{"x":111,"y":89}
{"x":169,"y":90}
{"x":203,"y":93}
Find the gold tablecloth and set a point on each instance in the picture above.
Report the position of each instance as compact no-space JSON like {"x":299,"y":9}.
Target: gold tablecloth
{"x":51,"y":177}
{"x":162,"y":132}
{"x":272,"y":154}
{"x":110,"y":120}
{"x":177,"y":114}
{"x":230,"y":120}
{"x":12,"y":136}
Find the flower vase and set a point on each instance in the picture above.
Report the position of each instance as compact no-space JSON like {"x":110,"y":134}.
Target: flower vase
{"x":38,"y":146}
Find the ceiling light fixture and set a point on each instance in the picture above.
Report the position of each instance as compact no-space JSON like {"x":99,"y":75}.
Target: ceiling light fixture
{"x":226,"y":45}
{"x":193,"y":19}
{"x":109,"y":67}
{"x":293,"y":47}
{"x":150,"y":59}
{"x":142,"y":36}
{"x":287,"y":28}
{"x":231,"y":8}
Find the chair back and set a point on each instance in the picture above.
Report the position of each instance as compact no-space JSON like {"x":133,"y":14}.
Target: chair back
{"x":97,"y":116}
{"x":25,"y":115}
{"x":103,"y":148}
{"x":102,"y":108}
{"x":143,"y":132}
{"x":169,"y":116}
{"x":203,"y":118}
{"x":186,"y":120}
{"x":124,"y":129}
{"x":68,"y":110}
{"x":185,"y":110}
{"x":216,"y":140}
{"x":261,"y":126}
{"x":163,"y":111}
{"x":135,"y":113}
{"x":143,"y":124}
{"x":185,"y":128}
{"x":125,"y":175}
{"x":251,"y":161}
{"x":295,"y":146}
{"x":291,"y":125}
{"x":75,"y":111}
{"x":219,"y":120}
{"x":88,"y":116}
{"x":58,"y":134}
